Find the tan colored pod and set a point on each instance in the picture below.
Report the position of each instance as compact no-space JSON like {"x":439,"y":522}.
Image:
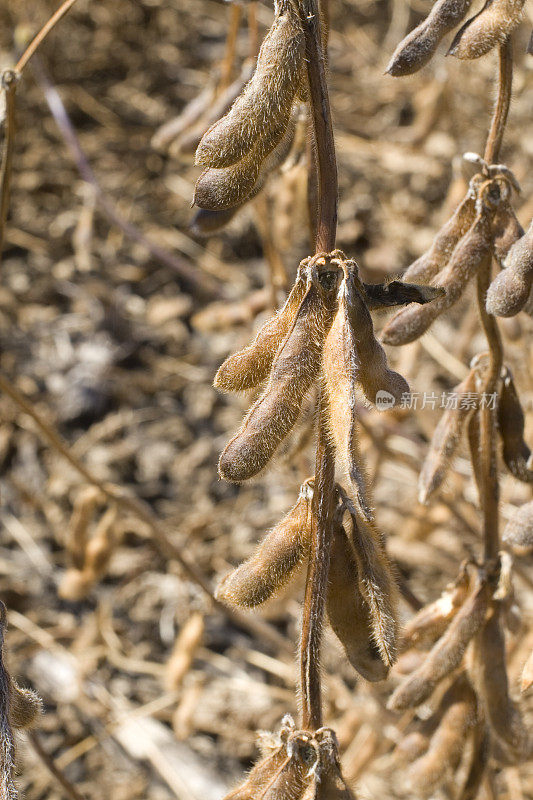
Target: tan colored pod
{"x":510,"y":290}
{"x":275,"y":560}
{"x":340,"y":374}
{"x":473,"y":251}
{"x":349,"y":613}
{"x":487,"y":29}
{"x":432,"y":620}
{"x":263,"y":772}
{"x":458,"y":714}
{"x":506,"y":230}
{"x":446,"y":439}
{"x":519,"y":530}
{"x":25,"y":707}
{"x":292,"y":778}
{"x":222,"y":189}
{"x":490,"y":672}
{"x":250,"y":367}
{"x":264,"y":107}
{"x":294,"y":370}
{"x":378,"y":586}
{"x":380,"y":384}
{"x":328,"y":782}
{"x":419,"y":46}
{"x":511,"y":426}
{"x":447,"y":653}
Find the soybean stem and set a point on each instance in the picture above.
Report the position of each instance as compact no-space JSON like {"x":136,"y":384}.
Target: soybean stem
{"x":499,"y":118}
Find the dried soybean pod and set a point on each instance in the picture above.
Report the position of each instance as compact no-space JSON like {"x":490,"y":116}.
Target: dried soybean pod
{"x":473,"y":251}
{"x":378,"y":586}
{"x":519,"y":530}
{"x":340,"y":373}
{"x":432,"y":620}
{"x":490,"y":27}
{"x":251,"y":366}
{"x":491,"y":675}
{"x":425,"y":268}
{"x":458,"y":714}
{"x":328,"y":781}
{"x":447,"y":653}
{"x":265,"y":105}
{"x":291,"y":778}
{"x":397,"y":293}
{"x":445,"y":441}
{"x":349,"y":613}
{"x":260,"y":775}
{"x":373,"y":371}
{"x":24,"y":706}
{"x":511,"y":424}
{"x":506,"y":230}
{"x":294,"y":370}
{"x":419,"y":46}
{"x":510,"y":290}
{"x":275,"y":560}
{"x":221,"y":189}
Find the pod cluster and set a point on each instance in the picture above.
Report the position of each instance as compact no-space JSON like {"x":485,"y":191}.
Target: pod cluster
{"x":478,"y":35}
{"x":362,"y":595}
{"x":254,"y":137}
{"x":299,"y":764}
{"x":477,"y":707}
{"x":483,"y":226}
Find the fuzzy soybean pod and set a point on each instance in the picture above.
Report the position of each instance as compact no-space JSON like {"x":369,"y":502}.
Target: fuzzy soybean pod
{"x":349,"y":613}
{"x":511,"y":425}
{"x":446,"y":439}
{"x":328,"y":781}
{"x":419,"y":46}
{"x":490,"y":27}
{"x":506,"y":230}
{"x":377,"y":380}
{"x":490,"y":671}
{"x":251,"y":366}
{"x":222,"y":189}
{"x":510,"y":290}
{"x":262,"y":111}
{"x":430,"y":263}
{"x":260,"y":775}
{"x":340,"y":374}
{"x":294,"y":370}
{"x":447,"y":653}
{"x":474,"y":250}
{"x":291,"y":779}
{"x":458,"y":714}
{"x":275,"y":560}
{"x":519,"y":530}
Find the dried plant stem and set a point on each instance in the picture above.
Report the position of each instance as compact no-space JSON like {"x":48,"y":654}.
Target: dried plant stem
{"x":323,"y":130}
{"x":231,"y":41}
{"x":10,"y":79}
{"x":499,"y":119}
{"x":134,"y":506}
{"x":52,"y":767}
{"x":488,"y":483}
{"x":43,"y":33}
{"x":317,"y":577}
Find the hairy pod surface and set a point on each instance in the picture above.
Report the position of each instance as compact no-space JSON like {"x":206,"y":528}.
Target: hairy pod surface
{"x":377,"y":380}
{"x":294,"y":370}
{"x":511,"y":426}
{"x":519,"y":530}
{"x":490,"y":27}
{"x":458,"y":715}
{"x":447,"y":653}
{"x":510,"y":290}
{"x":473,"y":251}
{"x":275,"y":560}
{"x":340,"y":372}
{"x":506,"y":230}
{"x":250,"y":367}
{"x":446,"y":439}
{"x":349,"y":613}
{"x":263,"y":772}
{"x":378,"y":586}
{"x":419,"y":46}
{"x":264,"y":107}
{"x":491,"y":674}
{"x":425,"y":268}
{"x":328,"y":782}
{"x":430,"y":622}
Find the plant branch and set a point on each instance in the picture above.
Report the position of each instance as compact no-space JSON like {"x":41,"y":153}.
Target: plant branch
{"x":9,"y":80}
{"x":499,"y":118}
{"x":317,"y":577}
{"x":43,"y":33}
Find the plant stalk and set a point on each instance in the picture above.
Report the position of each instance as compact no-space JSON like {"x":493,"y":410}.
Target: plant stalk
{"x":326,"y":228}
